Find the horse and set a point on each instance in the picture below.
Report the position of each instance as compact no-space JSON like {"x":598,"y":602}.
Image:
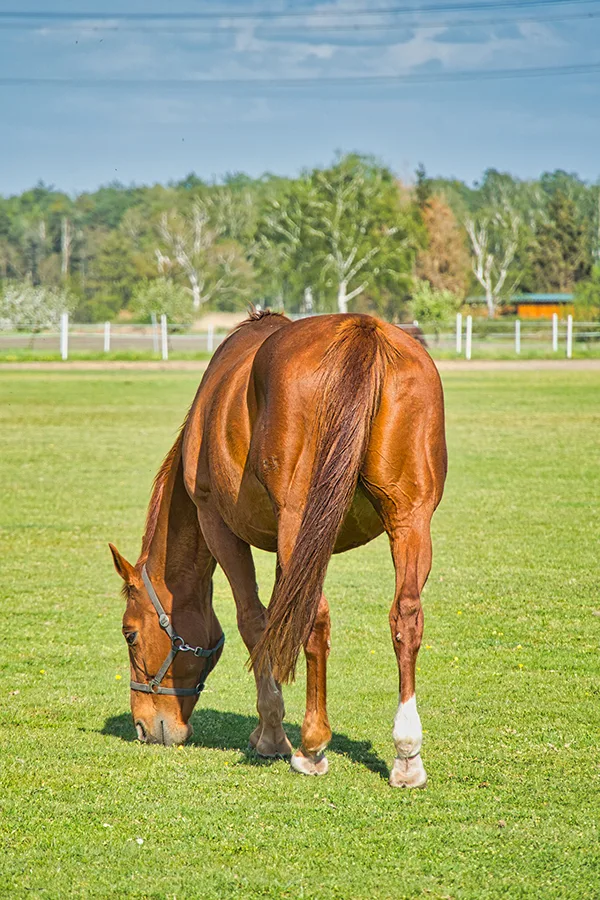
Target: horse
{"x":305,"y":438}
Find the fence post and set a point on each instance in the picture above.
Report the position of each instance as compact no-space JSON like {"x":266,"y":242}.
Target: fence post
{"x":107,"y":337}
{"x":517,"y":335}
{"x":163,"y":337}
{"x":569,"y":337}
{"x":64,"y":335}
{"x":459,"y":333}
{"x":210,"y":339}
{"x":554,"y":332}
{"x":469,"y":337}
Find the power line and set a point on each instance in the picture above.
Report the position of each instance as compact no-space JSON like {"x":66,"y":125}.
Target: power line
{"x":83,"y":15}
{"x":333,"y":81}
{"x":318,"y":29}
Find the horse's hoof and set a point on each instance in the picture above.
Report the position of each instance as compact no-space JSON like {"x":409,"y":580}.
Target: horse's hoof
{"x":309,"y":765}
{"x":254,"y":737}
{"x":272,"y":748}
{"x":408,"y":773}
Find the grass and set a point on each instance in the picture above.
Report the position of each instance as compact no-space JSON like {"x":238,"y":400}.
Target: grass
{"x":508,"y":673}
{"x":481,"y":350}
{"x":23,"y":354}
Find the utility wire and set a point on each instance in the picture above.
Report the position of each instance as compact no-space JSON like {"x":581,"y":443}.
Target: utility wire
{"x":333,"y":81}
{"x":316,"y":29}
{"x":83,"y":15}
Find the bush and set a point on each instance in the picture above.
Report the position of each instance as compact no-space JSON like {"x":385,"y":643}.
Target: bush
{"x":433,"y":307}
{"x":162,"y":296}
{"x":587,"y":296}
{"x":28,"y":307}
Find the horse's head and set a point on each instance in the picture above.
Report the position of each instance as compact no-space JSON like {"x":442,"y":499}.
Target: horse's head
{"x":167,"y":670}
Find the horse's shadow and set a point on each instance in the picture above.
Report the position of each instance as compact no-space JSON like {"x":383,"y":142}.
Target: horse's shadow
{"x":218,"y":730}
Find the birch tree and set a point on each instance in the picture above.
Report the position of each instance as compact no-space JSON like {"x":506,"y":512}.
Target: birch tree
{"x":494,"y":239}
{"x":214,"y":268}
{"x":342,"y":224}
{"x":340,"y":231}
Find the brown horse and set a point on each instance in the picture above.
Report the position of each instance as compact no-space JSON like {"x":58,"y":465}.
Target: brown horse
{"x":305,"y":438}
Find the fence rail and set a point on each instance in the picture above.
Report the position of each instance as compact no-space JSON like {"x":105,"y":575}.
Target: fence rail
{"x":471,"y":338}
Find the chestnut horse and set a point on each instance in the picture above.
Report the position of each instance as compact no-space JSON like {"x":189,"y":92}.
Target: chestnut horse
{"x":305,"y":438}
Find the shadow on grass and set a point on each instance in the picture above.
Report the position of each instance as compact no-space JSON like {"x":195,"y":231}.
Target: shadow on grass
{"x":218,"y":730}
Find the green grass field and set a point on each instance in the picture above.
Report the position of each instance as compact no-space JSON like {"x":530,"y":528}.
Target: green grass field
{"x":508,"y":686}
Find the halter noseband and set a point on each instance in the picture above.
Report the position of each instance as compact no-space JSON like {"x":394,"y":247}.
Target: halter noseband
{"x":178,"y":645}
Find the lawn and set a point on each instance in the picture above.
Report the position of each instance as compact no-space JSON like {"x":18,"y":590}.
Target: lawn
{"x":508,"y":686}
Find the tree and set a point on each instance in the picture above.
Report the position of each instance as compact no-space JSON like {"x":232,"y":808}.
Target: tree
{"x":444,"y":262}
{"x":587,"y":296}
{"x":343,"y":230}
{"x":215,"y":270}
{"x":162,"y":296}
{"x":433,"y":307}
{"x":494,"y":237}
{"x":422,"y":186}
{"x":112,"y":279}
{"x":28,"y":307}
{"x":348,"y":232}
{"x":561,"y":253}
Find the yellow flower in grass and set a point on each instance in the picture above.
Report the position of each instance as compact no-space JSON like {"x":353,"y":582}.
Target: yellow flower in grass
{"x":117,"y":677}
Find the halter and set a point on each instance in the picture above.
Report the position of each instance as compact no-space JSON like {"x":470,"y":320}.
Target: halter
{"x":178,"y":645}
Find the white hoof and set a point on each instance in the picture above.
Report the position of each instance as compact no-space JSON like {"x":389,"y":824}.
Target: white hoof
{"x":309,"y":765}
{"x":408,"y":773}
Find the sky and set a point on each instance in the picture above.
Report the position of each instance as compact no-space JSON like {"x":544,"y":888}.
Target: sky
{"x":90,"y":94}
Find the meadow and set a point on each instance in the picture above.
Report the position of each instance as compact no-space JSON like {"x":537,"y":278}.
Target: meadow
{"x":508,"y":674}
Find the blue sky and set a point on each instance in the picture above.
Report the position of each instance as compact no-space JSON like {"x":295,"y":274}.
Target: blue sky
{"x":80,"y":136}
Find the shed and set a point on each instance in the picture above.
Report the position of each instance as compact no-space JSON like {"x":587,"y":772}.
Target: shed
{"x":543,"y":306}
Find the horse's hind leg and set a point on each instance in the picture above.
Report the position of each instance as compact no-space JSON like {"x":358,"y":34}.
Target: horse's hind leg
{"x":309,"y":759}
{"x":411,"y":551}
{"x":235,"y":558}
{"x":316,"y":733}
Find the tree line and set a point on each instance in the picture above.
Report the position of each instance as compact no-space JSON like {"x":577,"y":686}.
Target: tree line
{"x":347,"y":237}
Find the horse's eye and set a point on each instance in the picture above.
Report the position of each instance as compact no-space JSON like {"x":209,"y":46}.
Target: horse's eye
{"x":131,"y":637}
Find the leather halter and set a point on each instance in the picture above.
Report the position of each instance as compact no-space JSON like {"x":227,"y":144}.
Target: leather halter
{"x":178,"y":645}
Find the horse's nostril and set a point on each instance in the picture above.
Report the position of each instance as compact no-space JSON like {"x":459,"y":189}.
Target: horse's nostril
{"x":141,"y":731}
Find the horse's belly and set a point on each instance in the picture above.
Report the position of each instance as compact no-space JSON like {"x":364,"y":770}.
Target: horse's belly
{"x":255,"y":520}
{"x":361,"y":525}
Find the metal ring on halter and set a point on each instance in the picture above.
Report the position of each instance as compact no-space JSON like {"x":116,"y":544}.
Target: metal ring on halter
{"x":154,"y":685}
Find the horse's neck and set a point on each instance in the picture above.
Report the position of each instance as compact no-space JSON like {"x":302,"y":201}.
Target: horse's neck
{"x":174,"y":549}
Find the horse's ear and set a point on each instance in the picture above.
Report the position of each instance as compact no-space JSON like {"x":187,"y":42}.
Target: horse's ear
{"x":124,"y":568}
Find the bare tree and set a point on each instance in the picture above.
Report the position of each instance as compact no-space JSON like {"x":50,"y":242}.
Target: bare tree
{"x":66,"y":239}
{"x":341,"y":221}
{"x":212,"y":267}
{"x":494,"y":239}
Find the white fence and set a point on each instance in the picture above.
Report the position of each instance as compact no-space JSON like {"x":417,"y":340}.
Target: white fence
{"x":471,"y":337}
{"x":159,"y":339}
{"x":477,"y":337}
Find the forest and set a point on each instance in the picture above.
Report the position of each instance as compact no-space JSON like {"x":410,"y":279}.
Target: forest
{"x":348,"y":237}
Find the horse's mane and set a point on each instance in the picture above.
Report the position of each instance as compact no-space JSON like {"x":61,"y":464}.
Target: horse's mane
{"x":158,"y":487}
{"x":255,"y":315}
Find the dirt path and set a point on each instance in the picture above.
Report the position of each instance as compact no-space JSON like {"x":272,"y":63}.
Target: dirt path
{"x":446,"y":365}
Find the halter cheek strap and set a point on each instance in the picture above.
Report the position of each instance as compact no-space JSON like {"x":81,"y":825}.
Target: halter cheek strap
{"x":178,"y":645}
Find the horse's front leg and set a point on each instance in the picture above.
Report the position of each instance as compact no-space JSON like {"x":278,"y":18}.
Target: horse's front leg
{"x":235,"y":558}
{"x":316,"y":733}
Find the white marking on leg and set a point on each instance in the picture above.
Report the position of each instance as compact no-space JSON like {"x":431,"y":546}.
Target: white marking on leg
{"x":407,"y":733}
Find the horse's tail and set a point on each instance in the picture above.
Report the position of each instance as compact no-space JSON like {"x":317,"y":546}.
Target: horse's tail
{"x":351,"y":379}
